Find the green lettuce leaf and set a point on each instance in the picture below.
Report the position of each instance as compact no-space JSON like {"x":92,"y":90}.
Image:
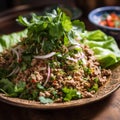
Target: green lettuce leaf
{"x":6,"y":41}
{"x":105,"y":47}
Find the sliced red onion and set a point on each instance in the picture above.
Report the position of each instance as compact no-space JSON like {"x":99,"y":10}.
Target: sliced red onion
{"x":17,"y":47}
{"x":45,"y":56}
{"x":17,"y":54}
{"x":84,"y":61}
{"x":18,"y":50}
{"x":48,"y":76}
{"x":16,"y":70}
{"x":72,"y":59}
{"x":78,"y":57}
{"x":81,"y":56}
{"x":11,"y":64}
{"x":74,"y":46}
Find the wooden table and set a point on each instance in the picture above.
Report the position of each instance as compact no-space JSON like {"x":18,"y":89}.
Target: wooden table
{"x":106,"y":109}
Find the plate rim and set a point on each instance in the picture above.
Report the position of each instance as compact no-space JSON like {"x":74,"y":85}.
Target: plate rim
{"x":80,"y":102}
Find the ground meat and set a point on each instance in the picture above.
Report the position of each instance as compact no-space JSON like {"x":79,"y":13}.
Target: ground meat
{"x":87,"y":94}
{"x":70,"y":74}
{"x":106,"y":72}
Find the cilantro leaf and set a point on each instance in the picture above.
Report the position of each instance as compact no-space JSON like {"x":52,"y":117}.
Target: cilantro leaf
{"x":40,"y":87}
{"x":70,"y":93}
{"x":66,"y":23}
{"x":19,"y":87}
{"x":6,"y":85}
{"x":23,"y":21}
{"x":52,"y":30}
{"x":56,"y":30}
{"x":45,"y":100}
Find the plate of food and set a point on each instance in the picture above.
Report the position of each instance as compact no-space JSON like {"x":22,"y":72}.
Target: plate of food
{"x":56,"y":63}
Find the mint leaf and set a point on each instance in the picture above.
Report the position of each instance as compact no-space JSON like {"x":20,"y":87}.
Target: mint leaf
{"x":45,"y":100}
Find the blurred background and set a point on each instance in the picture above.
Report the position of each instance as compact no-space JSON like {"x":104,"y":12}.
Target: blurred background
{"x":85,"y":5}
{"x":77,"y":9}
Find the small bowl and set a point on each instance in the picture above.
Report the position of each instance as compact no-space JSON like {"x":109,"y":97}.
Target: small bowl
{"x":95,"y":17}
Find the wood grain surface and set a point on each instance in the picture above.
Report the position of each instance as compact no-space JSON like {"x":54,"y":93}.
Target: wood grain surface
{"x":105,"y":109}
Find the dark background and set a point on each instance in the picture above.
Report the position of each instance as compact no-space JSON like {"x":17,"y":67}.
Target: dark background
{"x":107,"y":109}
{"x":85,"y":5}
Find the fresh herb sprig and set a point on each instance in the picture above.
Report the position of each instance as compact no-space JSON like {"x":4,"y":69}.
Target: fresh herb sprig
{"x":50,"y":32}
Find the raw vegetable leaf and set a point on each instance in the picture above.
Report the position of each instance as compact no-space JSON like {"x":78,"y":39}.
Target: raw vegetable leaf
{"x":19,"y":87}
{"x":3,"y":73}
{"x":95,"y":87}
{"x":105,"y":56}
{"x":78,"y":26}
{"x":40,"y":87}
{"x":96,"y":35}
{"x":56,"y":30}
{"x":66,"y":23}
{"x":34,"y":95}
{"x":6,"y":86}
{"x":57,"y":25}
{"x":45,"y":100}
{"x":66,"y":40}
{"x":6,"y":41}
{"x":70,"y":94}
{"x":23,"y":20}
{"x":1,"y":48}
{"x":71,"y":36}
{"x":104,"y":47}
